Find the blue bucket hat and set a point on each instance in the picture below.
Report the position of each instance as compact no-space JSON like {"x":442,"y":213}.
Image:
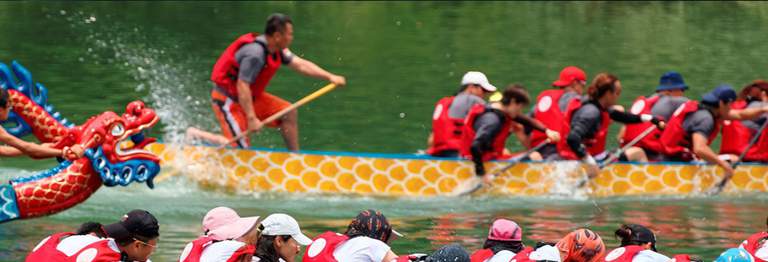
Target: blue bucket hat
{"x":671,"y":81}
{"x":723,"y":92}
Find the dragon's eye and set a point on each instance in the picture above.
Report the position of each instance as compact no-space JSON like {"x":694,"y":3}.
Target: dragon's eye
{"x":117,"y":129}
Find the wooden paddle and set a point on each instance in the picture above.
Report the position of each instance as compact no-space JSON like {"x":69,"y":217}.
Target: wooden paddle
{"x":512,"y":163}
{"x":618,"y":153}
{"x":280,"y":114}
{"x":721,"y":185}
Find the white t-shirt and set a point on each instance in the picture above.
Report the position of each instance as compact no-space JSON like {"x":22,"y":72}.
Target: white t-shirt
{"x":220,"y":251}
{"x":650,"y":256}
{"x":502,"y":256}
{"x":762,"y":252}
{"x":361,"y":249}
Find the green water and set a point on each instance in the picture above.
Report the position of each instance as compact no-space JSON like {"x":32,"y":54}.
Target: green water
{"x":399,"y":58}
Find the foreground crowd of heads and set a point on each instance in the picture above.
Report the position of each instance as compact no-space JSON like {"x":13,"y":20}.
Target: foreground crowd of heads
{"x":226,"y":236}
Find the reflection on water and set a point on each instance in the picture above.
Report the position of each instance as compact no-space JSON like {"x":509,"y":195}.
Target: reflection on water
{"x":399,"y":57}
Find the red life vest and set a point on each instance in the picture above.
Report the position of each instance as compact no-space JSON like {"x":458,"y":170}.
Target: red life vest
{"x":226,"y":69}
{"x":468,"y":135}
{"x":681,"y":258}
{"x":643,"y":105}
{"x":524,"y":255}
{"x":322,"y":247}
{"x":46,"y":250}
{"x":739,"y":136}
{"x":675,"y":140}
{"x":446,"y":131}
{"x":481,"y":255}
{"x":194,"y":250}
{"x":623,"y":254}
{"x":547,"y":111}
{"x":752,"y":244}
{"x":595,"y":145}
{"x":99,"y":251}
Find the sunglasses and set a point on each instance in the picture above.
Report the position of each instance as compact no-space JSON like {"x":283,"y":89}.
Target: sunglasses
{"x":145,"y":243}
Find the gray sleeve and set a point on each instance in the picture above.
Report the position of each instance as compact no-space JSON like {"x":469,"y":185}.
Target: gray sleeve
{"x":699,"y":122}
{"x":251,"y":60}
{"x":486,"y":127}
{"x":585,"y":122}
{"x":287,"y":56}
{"x":565,"y":99}
{"x":755,"y":124}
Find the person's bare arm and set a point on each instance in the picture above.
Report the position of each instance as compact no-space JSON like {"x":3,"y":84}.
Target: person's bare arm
{"x":702,"y":150}
{"x":747,"y":114}
{"x":310,"y":69}
{"x":8,"y":151}
{"x":27,"y":148}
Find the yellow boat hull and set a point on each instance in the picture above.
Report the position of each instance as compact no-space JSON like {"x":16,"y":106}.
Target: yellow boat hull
{"x":247,"y":170}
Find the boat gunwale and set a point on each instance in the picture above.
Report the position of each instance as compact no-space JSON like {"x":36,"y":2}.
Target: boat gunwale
{"x":428,"y":157}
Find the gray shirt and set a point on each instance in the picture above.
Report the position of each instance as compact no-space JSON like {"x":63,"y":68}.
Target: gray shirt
{"x":701,"y":122}
{"x":462,"y":103}
{"x":251,"y":58}
{"x":565,"y":99}
{"x":667,"y":105}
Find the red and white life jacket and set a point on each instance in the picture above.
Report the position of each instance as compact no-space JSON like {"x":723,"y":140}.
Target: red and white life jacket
{"x":643,"y":105}
{"x":547,"y":111}
{"x":681,"y":258}
{"x":738,"y":136}
{"x":497,"y":147}
{"x":481,"y":255}
{"x":446,"y":131}
{"x":523,"y":255}
{"x":46,"y":249}
{"x":623,"y":254}
{"x":675,"y":140}
{"x":104,"y":250}
{"x":322,"y":247}
{"x":226,"y":69}
{"x":753,"y":243}
{"x":595,"y":145}
{"x":194,"y":250}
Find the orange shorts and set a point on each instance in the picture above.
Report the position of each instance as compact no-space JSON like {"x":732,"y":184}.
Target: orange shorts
{"x":232,"y":118}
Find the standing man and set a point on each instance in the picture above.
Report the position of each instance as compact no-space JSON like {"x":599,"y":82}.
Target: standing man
{"x":242,"y":73}
{"x":448,"y":118}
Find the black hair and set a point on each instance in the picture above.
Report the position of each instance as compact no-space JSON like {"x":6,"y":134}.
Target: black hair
{"x":516,"y":93}
{"x":4,"y":98}
{"x":625,"y":234}
{"x":277,"y":22}
{"x":266,"y":251}
{"x":496,"y":246}
{"x":91,"y":227}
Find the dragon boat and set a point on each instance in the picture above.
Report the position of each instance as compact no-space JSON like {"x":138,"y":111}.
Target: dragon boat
{"x":114,"y":150}
{"x":264,"y":170}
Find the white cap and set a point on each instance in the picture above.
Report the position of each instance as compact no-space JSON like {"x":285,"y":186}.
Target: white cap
{"x":477,"y":78}
{"x":282,"y":224}
{"x":545,"y":252}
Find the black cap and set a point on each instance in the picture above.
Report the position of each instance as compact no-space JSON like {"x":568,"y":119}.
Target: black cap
{"x":642,"y":234}
{"x":136,"y":223}
{"x":449,"y":253}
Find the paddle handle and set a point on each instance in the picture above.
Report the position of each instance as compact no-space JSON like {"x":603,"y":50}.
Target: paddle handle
{"x":281,"y":113}
{"x":617,"y":154}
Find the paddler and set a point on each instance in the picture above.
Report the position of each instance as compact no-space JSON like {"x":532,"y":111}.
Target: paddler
{"x":740,"y":133}
{"x":487,"y":128}
{"x":17,"y":147}
{"x":551,"y":105}
{"x":242,"y":73}
{"x":226,"y":237}
{"x":668,"y":97}
{"x":695,"y":125}
{"x":586,"y":123}
{"x":366,"y":240}
{"x":449,"y":114}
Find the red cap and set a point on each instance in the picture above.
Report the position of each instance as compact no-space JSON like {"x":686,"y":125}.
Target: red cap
{"x":569,"y":75}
